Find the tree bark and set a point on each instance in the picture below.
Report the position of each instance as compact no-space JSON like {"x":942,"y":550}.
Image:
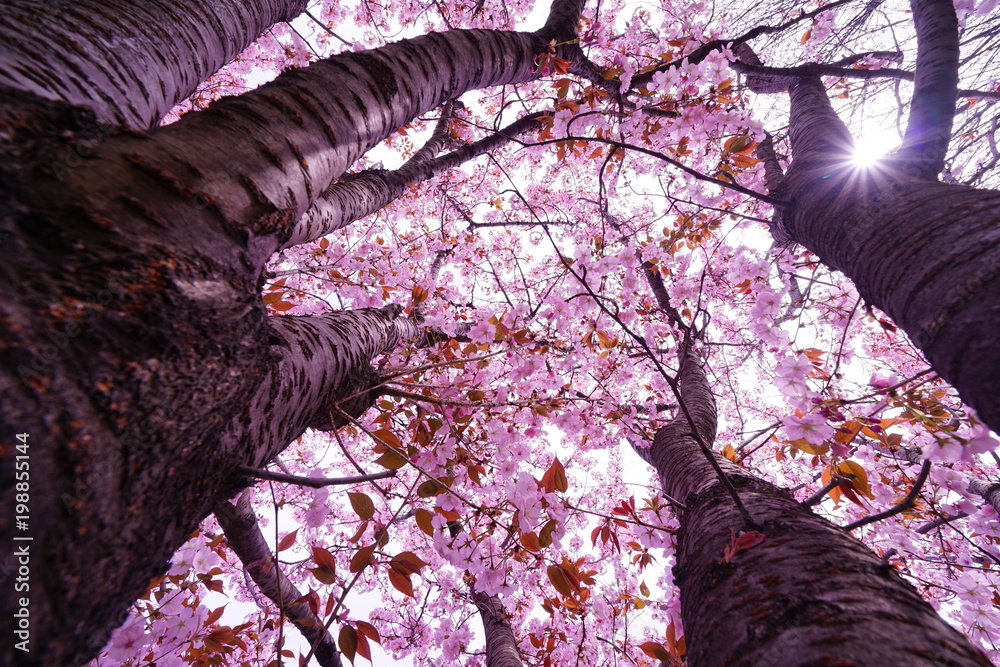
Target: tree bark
{"x":927,"y":253}
{"x":360,"y":195}
{"x":935,"y":85}
{"x":808,"y":594}
{"x":244,"y":537}
{"x":134,"y":349}
{"x":501,"y":646}
{"x":131,"y":64}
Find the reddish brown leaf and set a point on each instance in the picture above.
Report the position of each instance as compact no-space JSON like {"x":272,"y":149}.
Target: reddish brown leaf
{"x":362,"y":504}
{"x":324,"y":558}
{"x":401,"y":582}
{"x":348,"y":642}
{"x":423,"y":518}
{"x":362,"y":558}
{"x":288,"y":540}
{"x":407,"y":563}
{"x":369,"y":631}
{"x":655,"y":650}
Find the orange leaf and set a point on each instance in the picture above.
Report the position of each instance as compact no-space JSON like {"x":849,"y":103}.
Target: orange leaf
{"x":272,"y":297}
{"x":554,"y":478}
{"x":559,"y":580}
{"x":391,"y":460}
{"x":530,"y":542}
{"x":214,"y":616}
{"x":655,"y":650}
{"x":388,"y":437}
{"x":423,"y":518}
{"x":744,"y":161}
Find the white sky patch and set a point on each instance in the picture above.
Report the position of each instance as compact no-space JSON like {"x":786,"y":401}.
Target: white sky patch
{"x":869,"y":148}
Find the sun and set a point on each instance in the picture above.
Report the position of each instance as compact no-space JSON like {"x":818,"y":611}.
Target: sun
{"x":870,"y":148}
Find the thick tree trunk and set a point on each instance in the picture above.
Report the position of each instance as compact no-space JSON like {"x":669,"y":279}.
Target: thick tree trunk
{"x":808,"y":594}
{"x":134,"y":349}
{"x":925,"y":252}
{"x":140,"y":362}
{"x":131,"y":63}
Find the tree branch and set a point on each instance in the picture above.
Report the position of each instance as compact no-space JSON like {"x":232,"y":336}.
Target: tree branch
{"x":907,"y":502}
{"x":245,"y":539}
{"x":313,"y":482}
{"x":817,"y":498}
{"x":932,"y":110}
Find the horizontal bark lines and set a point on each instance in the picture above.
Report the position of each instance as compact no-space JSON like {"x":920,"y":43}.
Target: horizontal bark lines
{"x":362,"y":194}
{"x":927,"y":253}
{"x":130,"y":63}
{"x":808,"y":594}
{"x":323,"y":359}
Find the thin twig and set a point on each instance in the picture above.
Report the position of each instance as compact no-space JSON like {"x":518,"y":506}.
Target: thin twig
{"x":907,"y":502}
{"x":817,"y":498}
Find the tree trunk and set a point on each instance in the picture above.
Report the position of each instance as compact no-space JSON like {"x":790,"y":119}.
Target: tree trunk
{"x":925,"y":252}
{"x":501,"y":646}
{"x":131,"y":64}
{"x":808,"y":594}
{"x":134,"y":349}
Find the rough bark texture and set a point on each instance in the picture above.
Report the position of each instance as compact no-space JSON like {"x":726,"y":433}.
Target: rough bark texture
{"x":239,"y":523}
{"x":130,"y":63}
{"x":501,"y":646}
{"x":925,"y":252}
{"x":360,"y":195}
{"x":134,"y":349}
{"x":808,"y":594}
{"x":139,"y":380}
